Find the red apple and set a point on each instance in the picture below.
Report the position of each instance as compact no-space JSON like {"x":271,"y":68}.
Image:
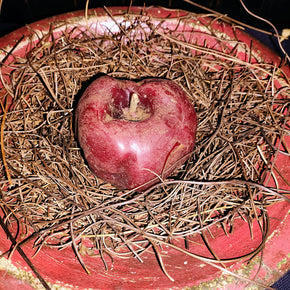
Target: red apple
{"x":132,"y":132}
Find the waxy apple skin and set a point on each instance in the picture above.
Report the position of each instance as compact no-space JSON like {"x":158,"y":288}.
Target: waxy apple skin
{"x":130,"y":153}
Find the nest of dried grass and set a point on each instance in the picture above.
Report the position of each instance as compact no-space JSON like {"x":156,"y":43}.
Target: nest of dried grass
{"x":46,"y":186}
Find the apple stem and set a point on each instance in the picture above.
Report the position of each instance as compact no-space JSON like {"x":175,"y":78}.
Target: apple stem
{"x":133,"y":103}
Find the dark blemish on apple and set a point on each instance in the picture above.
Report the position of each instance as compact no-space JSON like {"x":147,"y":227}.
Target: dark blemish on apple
{"x":168,"y":93}
{"x":171,"y":123}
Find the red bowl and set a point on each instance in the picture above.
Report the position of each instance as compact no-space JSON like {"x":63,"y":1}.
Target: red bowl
{"x":62,"y":267}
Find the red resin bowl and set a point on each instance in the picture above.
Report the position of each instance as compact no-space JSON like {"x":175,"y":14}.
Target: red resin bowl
{"x":62,"y":267}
